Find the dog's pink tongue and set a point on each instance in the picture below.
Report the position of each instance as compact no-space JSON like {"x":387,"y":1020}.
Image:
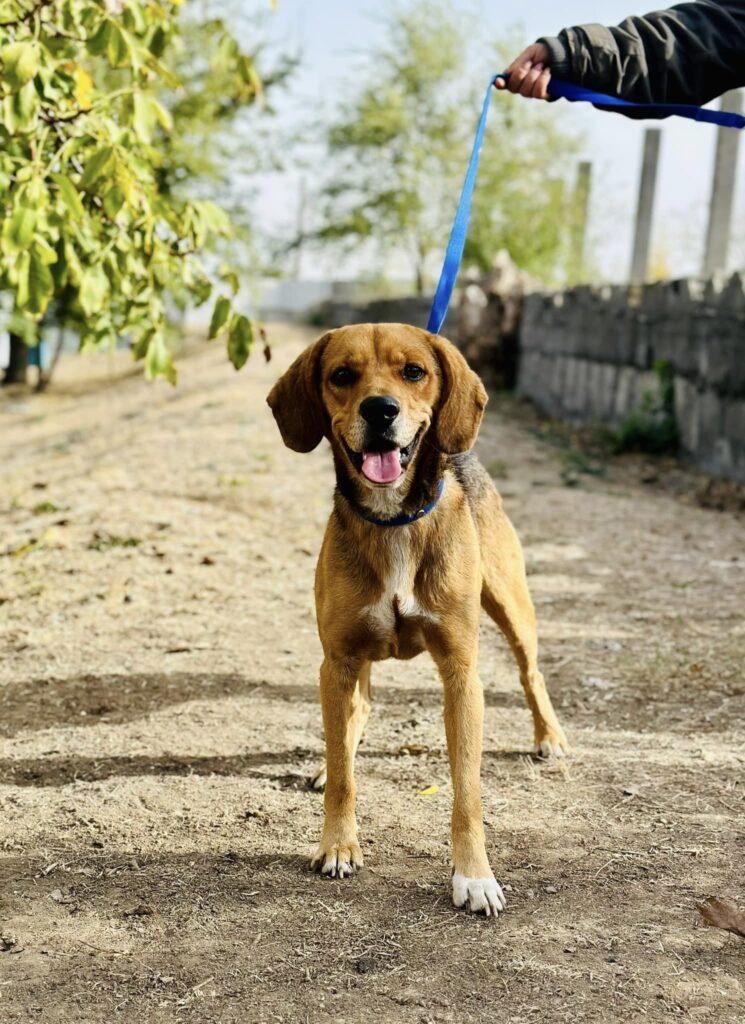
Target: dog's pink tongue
{"x":382,"y":467}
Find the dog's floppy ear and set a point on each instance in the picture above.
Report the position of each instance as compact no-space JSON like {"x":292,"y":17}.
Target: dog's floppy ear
{"x":295,"y":400}
{"x":462,"y":400}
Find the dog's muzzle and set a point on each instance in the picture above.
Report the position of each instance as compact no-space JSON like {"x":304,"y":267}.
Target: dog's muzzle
{"x":382,"y":461}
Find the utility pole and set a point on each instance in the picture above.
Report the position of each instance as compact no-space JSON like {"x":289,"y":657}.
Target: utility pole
{"x":722,"y":191}
{"x":645,"y":206}
{"x":578,"y":230}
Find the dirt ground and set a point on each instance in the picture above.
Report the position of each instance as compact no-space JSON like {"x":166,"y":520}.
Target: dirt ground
{"x":159,"y":716}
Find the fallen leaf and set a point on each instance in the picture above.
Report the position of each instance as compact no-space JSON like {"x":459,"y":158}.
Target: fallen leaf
{"x":718,"y":913}
{"x":429,"y":791}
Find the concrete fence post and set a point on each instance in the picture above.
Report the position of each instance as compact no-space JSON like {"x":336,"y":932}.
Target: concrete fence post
{"x":645,"y":206}
{"x":722,"y":191}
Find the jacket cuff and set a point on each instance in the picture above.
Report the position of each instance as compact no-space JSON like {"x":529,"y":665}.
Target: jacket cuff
{"x":559,"y":57}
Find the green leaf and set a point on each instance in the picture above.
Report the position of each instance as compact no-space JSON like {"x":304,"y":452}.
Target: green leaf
{"x":214,"y":218}
{"x":35,"y":282}
{"x":161,"y":115}
{"x":158,"y":360}
{"x":20,"y":63}
{"x":74,"y":268}
{"x":240,"y":340}
{"x":119,"y":47}
{"x":220,"y":315}
{"x":230,"y":277}
{"x":69,"y":195}
{"x":124,"y":181}
{"x":21,"y":270}
{"x":98,"y":165}
{"x":98,"y":42}
{"x":142,"y":117}
{"x":36,"y":194}
{"x":93,"y":289}
{"x":20,"y":109}
{"x":18,"y":230}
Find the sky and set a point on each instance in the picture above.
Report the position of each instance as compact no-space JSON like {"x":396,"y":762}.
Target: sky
{"x":331,"y":35}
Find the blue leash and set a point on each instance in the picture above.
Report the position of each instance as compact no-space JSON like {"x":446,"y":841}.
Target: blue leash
{"x":558,"y":90}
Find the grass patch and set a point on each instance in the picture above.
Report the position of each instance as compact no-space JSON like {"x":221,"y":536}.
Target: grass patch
{"x":103,"y":541}
{"x":652,"y":426}
{"x":44,"y":508}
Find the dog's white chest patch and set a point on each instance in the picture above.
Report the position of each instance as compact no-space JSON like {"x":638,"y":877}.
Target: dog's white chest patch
{"x":397,"y":599}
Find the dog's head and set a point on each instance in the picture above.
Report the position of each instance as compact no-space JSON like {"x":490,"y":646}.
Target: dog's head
{"x":377,"y":391}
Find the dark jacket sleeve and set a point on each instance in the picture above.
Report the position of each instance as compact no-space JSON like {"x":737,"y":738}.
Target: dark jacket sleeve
{"x":685,"y":54}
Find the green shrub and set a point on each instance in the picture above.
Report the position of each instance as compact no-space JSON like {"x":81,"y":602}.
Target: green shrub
{"x":652,"y":426}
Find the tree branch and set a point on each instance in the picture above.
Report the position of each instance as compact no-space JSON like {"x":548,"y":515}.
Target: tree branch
{"x":49,"y":118}
{"x":38,"y":6}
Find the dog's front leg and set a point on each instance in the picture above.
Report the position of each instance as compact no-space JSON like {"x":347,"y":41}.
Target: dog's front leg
{"x":338,"y":853}
{"x":474,"y":885}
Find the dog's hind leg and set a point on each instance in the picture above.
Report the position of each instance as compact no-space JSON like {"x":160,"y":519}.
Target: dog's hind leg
{"x":361,"y":715}
{"x":506,"y":598}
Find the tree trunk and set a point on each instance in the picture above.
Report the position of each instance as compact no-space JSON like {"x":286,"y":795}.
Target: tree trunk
{"x":45,"y":376}
{"x":419,"y":279}
{"x":16,"y":369}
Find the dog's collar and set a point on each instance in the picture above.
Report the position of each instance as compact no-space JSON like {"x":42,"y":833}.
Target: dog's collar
{"x":404,"y":519}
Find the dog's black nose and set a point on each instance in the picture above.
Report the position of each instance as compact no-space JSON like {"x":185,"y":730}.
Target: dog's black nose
{"x":379,"y":411}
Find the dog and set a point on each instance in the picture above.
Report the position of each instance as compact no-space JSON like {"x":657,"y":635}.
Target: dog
{"x":416,"y":544}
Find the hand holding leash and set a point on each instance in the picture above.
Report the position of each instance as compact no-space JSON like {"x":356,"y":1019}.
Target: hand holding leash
{"x":529,"y":74}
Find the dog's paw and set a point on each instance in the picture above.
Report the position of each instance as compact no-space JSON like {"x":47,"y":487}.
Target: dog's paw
{"x":337,"y":860}
{"x":479,"y":895}
{"x":553,"y":744}
{"x":317,"y":780}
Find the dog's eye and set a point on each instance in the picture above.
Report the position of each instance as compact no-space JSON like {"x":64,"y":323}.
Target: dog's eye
{"x":413,"y":372}
{"x":341,"y":376}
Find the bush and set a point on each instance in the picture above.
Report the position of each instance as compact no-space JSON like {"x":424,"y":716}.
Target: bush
{"x":652,"y":426}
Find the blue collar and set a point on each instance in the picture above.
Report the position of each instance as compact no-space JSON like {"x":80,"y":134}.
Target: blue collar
{"x":405,"y":520}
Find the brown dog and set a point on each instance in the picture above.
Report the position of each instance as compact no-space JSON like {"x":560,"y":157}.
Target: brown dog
{"x":416,"y":543}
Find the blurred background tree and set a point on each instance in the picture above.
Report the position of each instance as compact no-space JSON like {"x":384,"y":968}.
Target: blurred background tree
{"x":399,"y":146}
{"x":109,"y":119}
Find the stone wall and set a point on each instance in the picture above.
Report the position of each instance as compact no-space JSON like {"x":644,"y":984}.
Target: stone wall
{"x":589,"y":355}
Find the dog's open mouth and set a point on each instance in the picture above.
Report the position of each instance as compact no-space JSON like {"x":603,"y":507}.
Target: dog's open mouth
{"x":384,"y":462}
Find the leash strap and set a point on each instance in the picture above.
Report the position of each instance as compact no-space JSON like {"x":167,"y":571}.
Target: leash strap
{"x":576,"y":94}
{"x":558,"y":90}
{"x":457,"y":242}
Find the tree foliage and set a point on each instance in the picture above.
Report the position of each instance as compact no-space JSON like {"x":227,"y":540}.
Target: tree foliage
{"x":400,"y":143}
{"x":96,"y":215}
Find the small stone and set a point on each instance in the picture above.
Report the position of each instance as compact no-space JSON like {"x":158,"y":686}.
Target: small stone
{"x":141,"y":910}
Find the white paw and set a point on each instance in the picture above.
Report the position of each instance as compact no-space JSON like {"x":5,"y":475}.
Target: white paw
{"x":550,"y":748}
{"x":317,"y":781}
{"x":337,"y":861}
{"x":479,"y":895}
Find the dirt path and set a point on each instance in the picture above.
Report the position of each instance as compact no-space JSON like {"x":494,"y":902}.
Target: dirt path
{"x":158,"y":715}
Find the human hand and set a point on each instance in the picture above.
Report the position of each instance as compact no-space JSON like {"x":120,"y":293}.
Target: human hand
{"x":529,"y":73}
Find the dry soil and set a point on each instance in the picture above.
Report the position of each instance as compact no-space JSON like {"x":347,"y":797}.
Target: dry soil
{"x":159,"y":716}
